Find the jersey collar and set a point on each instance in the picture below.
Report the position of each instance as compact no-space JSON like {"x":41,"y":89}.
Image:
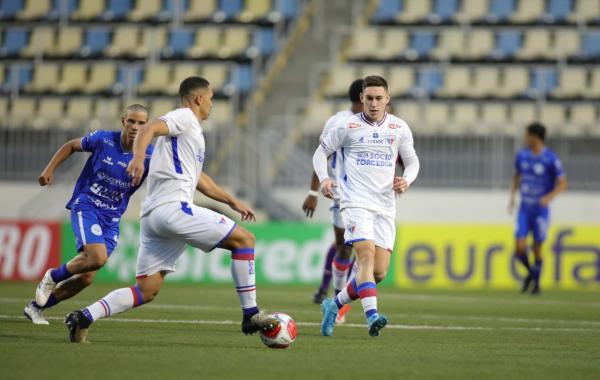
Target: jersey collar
{"x":366,"y":119}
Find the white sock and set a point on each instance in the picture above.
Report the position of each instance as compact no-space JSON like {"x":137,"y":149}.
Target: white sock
{"x":242,"y":271}
{"x":115,"y":302}
{"x":339,"y":270}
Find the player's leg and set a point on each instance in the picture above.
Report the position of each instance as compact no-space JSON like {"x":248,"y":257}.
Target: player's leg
{"x":521,"y":232}
{"x":321,"y":293}
{"x":342,"y":260}
{"x":540,"y":231}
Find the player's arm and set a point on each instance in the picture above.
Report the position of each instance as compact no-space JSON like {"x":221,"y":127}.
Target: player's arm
{"x":310,"y":203}
{"x":333,"y":141}
{"x":143,"y":138}
{"x":61,"y":155}
{"x":514,"y":186}
{"x":559,"y":187}
{"x":208,"y":187}
{"x":408,"y":156}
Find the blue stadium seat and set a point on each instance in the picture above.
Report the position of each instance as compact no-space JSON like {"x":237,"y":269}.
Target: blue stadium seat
{"x":24,"y":76}
{"x":386,"y":10}
{"x":422,"y":42}
{"x":500,"y":10}
{"x":288,"y":8}
{"x":243,"y":78}
{"x":445,"y":9}
{"x":230,"y":8}
{"x":559,"y":9}
{"x":429,"y":80}
{"x":10,"y":8}
{"x":543,"y":81}
{"x":96,"y":40}
{"x":180,"y":41}
{"x":590,"y":47}
{"x":168,"y":8}
{"x":60,"y":7}
{"x":508,"y":42}
{"x":117,"y":9}
{"x":264,"y":39}
{"x":15,"y":39}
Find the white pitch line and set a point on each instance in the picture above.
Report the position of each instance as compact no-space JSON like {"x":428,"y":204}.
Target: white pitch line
{"x":315,"y":324}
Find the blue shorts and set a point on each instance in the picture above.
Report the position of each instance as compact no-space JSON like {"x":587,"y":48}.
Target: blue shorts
{"x":91,"y":227}
{"x":533,"y":219}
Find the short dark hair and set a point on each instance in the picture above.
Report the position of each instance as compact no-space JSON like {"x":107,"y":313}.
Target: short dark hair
{"x":355,"y":90}
{"x":190,"y":84}
{"x":374,"y":81}
{"x":537,"y":129}
{"x":136,"y":107}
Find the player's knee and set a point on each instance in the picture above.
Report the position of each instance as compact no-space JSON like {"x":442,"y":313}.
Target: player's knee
{"x":247,"y":239}
{"x":86,"y":279}
{"x":97,"y":261}
{"x":379,"y":275}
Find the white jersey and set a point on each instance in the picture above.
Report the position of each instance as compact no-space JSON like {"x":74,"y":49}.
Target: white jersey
{"x":369,"y":152}
{"x":333,"y":164}
{"x":177,"y":161}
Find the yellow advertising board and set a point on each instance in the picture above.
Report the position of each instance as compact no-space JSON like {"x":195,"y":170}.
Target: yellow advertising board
{"x":481,"y":256}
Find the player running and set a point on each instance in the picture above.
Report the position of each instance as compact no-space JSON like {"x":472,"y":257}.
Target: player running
{"x":99,"y":199}
{"x":370,"y":143}
{"x":338,"y":259}
{"x":170,"y":221}
{"x":540,"y":177}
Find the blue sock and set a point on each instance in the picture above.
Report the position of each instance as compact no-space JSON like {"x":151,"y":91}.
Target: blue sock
{"x":524,"y":260}
{"x":537,"y":269}
{"x":60,"y":274}
{"x":51,"y":302}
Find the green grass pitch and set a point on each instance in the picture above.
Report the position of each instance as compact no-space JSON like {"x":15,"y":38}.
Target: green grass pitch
{"x":193,"y":332}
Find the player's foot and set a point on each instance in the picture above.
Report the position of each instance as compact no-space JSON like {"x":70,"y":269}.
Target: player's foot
{"x":341,"y":316}
{"x":259,"y":321}
{"x":330,"y":312}
{"x":35,"y":315}
{"x":78,"y":326}
{"x":376,"y":322}
{"x":536,"y":290}
{"x":526,"y":283}
{"x":44,"y":289}
{"x":319,"y":296}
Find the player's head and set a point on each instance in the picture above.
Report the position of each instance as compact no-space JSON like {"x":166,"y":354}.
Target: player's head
{"x":375,"y":96}
{"x":535,"y":134}
{"x":196,"y":93}
{"x":134,"y":116}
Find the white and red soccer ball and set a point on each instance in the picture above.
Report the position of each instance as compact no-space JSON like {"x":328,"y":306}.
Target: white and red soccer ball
{"x":283,"y":335}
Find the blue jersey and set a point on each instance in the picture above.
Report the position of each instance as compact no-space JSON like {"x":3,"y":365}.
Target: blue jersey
{"x":538,"y":174}
{"x":104,"y":182}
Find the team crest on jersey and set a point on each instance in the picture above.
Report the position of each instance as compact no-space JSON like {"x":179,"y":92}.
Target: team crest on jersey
{"x":391,"y":139}
{"x":375,"y":135}
{"x":353,"y":125}
{"x":96,"y":229}
{"x":393,"y":126}
{"x":352,"y":227}
{"x":538,"y":169}
{"x":222,"y":220}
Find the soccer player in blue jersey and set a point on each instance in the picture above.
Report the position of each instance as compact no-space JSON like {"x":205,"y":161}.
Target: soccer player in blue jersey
{"x":99,"y":199}
{"x":540,"y":177}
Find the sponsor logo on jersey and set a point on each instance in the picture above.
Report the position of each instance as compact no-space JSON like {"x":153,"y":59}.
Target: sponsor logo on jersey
{"x":353,"y":125}
{"x":108,"y":142}
{"x":108,"y":160}
{"x":122,"y":164}
{"x":361,"y":140}
{"x":393,"y":126}
{"x":200,"y":157}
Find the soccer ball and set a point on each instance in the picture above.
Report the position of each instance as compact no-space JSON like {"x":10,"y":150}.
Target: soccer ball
{"x":283,"y":335}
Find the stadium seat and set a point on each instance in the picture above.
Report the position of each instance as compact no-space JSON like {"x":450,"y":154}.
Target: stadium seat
{"x":486,"y":81}
{"x":363,"y":40}
{"x":472,"y":11}
{"x":159,"y":107}
{"x":428,"y":81}
{"x":421,"y":43}
{"x":394,"y":42}
{"x":41,"y":42}
{"x":585,"y":11}
{"x":235,"y":42}
{"x":521,"y":114}
{"x":78,"y":113}
{"x":590,"y":46}
{"x":45,"y":78}
{"x":34,"y":10}
{"x":182,"y":71}
{"x":411,"y":112}
{"x":102,"y":77}
{"x":88,"y":10}
{"x":316,"y":114}
{"x":4,"y":110}
{"x":15,"y":40}
{"x":200,"y":10}
{"x":543,"y":81}
{"x":10,"y":9}
{"x":528,"y":11}
{"x":508,"y":42}
{"x":242,"y":77}
{"x":21,"y":112}
{"x":480,"y":43}
{"x":340,"y":78}
{"x":2,"y":78}
{"x":180,"y":41}
{"x":558,"y":10}
{"x":124,"y":42}
{"x":265,"y":40}
{"x":386,"y":10}
{"x":117,"y":10}
{"x":107,"y":112}
{"x":583,"y":117}
{"x":500,"y":10}
{"x":96,"y":40}
{"x":255,"y":10}
{"x":216,"y":73}
{"x":457,"y":82}
{"x":50,"y":113}
{"x":536,"y":45}
{"x":228,"y":10}
{"x":73,"y":78}
{"x":553,"y":116}
{"x":451,"y":44}
{"x":69,"y":42}
{"x":443,"y":10}
{"x":207,"y":42}
{"x":465,"y":119}
{"x":153,"y":40}
{"x":494,"y":118}
{"x":22,"y":73}
{"x":373,"y":69}
{"x":572,"y":82}
{"x":401,"y":80}
{"x":414,"y":11}
{"x":436,"y":116}
{"x":156,"y":79}
{"x":222,"y":112}
{"x":515,"y":82}
{"x":567,"y":43}
{"x":145,"y":10}
{"x":593,"y":88}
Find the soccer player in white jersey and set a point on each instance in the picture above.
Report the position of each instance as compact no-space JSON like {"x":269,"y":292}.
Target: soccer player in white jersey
{"x":338,"y":259}
{"x":370,"y":143}
{"x":170,"y":221}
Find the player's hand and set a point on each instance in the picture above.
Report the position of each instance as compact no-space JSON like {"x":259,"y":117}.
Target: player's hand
{"x":400,"y":185}
{"x":46,"y":178}
{"x":246,"y":212}
{"x":135,"y":169}
{"x":511,"y":205}
{"x":545,"y":200}
{"x":327,"y":188}
{"x":309,"y":205}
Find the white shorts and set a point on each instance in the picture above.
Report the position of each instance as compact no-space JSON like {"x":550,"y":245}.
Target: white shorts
{"x":169,"y":228}
{"x":336,"y":214}
{"x":362,"y":224}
